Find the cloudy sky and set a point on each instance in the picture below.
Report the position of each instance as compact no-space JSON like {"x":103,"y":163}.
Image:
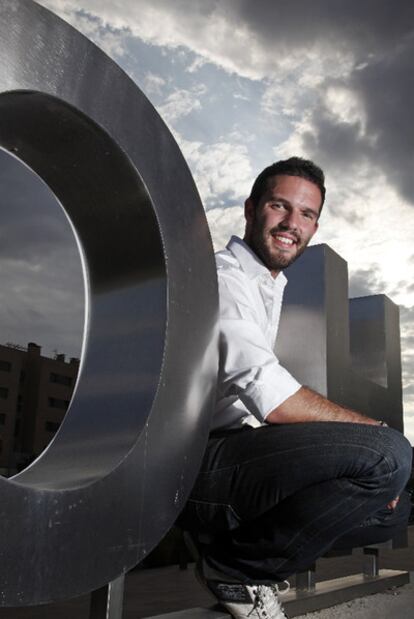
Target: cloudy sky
{"x":242,"y":84}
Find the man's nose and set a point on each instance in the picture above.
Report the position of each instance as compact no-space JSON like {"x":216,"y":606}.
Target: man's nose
{"x":291,"y":220}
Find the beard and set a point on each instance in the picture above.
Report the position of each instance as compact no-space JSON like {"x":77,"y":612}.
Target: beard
{"x":275,"y":258}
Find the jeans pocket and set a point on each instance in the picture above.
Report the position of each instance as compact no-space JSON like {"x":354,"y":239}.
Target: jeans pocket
{"x":215,"y":517}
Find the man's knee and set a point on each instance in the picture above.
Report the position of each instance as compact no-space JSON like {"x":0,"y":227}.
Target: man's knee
{"x":402,"y":512}
{"x":398,"y":453}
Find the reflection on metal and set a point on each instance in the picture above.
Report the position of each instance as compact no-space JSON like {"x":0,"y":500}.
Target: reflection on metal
{"x":108,"y":600}
{"x":305,"y":581}
{"x":371,"y":563}
{"x":348,"y":350}
{"x":123,"y":462}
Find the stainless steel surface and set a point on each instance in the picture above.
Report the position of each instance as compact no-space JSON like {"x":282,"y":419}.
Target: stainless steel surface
{"x":123,"y":462}
{"x":107,"y":602}
{"x":371,"y":562}
{"x":348,"y":350}
{"x":305,"y":581}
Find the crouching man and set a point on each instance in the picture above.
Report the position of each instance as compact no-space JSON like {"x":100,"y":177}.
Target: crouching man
{"x":287,"y":474}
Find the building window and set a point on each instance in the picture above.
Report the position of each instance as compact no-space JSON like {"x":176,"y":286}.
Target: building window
{"x":5,"y":366}
{"x":58,"y":403}
{"x":60,"y":379}
{"x":2,"y":419}
{"x":4,"y":392}
{"x":52,"y":426}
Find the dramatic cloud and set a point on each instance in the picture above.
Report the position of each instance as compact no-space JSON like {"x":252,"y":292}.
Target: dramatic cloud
{"x":222,"y":170}
{"x":180,"y":103}
{"x":365,"y":282}
{"x":350,"y":61}
{"x":41,"y":292}
{"x":242,"y":83}
{"x":154,"y":84}
{"x":221,"y":220}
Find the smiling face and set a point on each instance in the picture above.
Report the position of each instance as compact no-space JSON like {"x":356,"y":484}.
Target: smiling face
{"x":281,"y":225}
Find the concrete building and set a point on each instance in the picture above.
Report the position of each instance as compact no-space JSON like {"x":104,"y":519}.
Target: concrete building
{"x":35,"y":392}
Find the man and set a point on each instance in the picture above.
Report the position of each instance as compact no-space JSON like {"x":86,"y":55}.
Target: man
{"x":287,"y":473}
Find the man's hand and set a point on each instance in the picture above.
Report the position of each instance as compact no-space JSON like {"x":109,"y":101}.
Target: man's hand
{"x":306,"y":405}
{"x":393,"y":504}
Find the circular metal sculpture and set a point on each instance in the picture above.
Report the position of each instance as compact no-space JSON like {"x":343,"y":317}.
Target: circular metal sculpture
{"x":123,"y":462}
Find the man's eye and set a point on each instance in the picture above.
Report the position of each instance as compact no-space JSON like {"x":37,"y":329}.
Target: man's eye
{"x":278,"y":205}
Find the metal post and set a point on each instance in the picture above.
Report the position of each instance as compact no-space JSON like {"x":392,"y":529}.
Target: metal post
{"x":371,"y":563}
{"x":107,"y":602}
{"x":305,"y":581}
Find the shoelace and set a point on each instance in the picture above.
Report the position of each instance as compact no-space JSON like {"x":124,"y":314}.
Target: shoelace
{"x":268,"y":595}
{"x":276,"y":587}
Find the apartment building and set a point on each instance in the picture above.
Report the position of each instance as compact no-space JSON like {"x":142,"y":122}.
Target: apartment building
{"x":35,"y":392}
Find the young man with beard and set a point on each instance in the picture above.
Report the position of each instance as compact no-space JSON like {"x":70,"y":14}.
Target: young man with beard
{"x":287,"y":474}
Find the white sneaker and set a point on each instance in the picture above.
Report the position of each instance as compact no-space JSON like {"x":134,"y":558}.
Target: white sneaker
{"x":248,"y":601}
{"x":242,"y":601}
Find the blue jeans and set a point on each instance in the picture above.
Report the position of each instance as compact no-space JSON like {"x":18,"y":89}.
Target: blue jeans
{"x":269,"y":501}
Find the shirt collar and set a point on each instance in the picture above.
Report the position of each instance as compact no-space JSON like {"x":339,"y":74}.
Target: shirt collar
{"x":250,"y":263}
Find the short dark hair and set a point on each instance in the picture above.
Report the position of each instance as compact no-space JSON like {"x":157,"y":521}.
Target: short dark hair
{"x":294,"y":166}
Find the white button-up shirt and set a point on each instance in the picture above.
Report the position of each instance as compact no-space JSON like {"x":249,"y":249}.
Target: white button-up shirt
{"x":251,"y":381}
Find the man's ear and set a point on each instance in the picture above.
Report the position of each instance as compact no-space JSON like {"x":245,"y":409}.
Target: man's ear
{"x":249,"y":211}
{"x":249,"y":217}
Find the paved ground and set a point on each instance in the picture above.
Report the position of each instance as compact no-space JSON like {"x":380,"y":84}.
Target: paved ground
{"x":155,"y":591}
{"x":393,"y":604}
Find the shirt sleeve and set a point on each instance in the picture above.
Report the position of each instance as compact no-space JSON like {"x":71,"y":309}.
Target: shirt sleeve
{"x":249,"y":368}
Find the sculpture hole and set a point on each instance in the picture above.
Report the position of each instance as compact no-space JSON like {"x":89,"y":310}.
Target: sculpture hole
{"x":118,"y":236}
{"x":41,"y":314}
